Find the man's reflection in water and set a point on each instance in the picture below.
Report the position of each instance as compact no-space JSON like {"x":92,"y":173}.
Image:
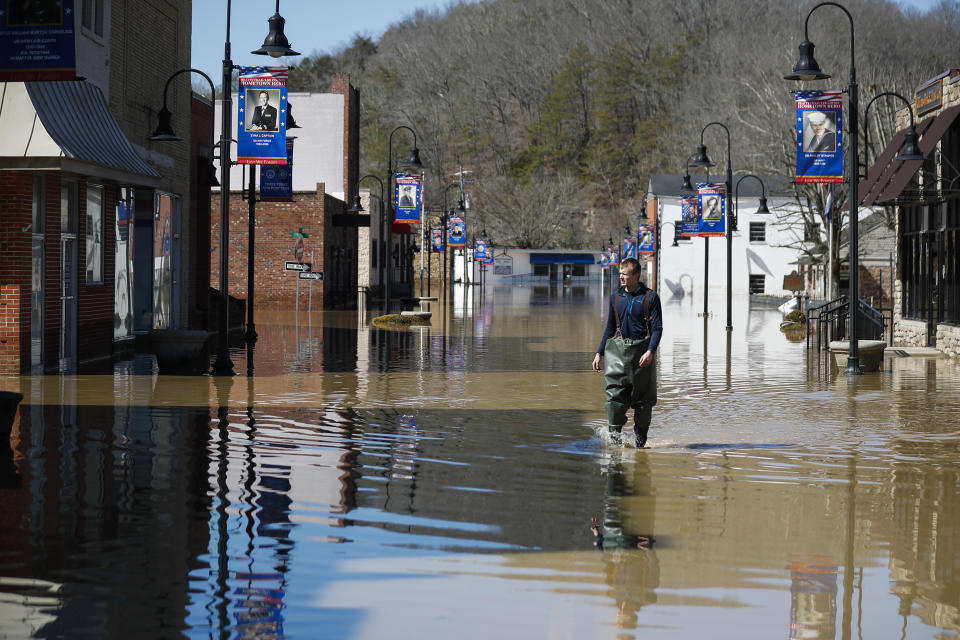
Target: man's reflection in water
{"x":625,"y":534}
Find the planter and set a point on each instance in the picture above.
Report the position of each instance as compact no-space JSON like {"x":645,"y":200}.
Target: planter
{"x":870,"y":353}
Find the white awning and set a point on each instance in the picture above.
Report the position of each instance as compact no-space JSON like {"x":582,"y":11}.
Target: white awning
{"x":66,"y":126}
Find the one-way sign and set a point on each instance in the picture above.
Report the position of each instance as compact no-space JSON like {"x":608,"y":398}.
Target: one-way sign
{"x":310,"y":275}
{"x":299,"y":266}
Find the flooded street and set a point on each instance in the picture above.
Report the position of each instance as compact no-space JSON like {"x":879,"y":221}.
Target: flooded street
{"x":441,"y":481}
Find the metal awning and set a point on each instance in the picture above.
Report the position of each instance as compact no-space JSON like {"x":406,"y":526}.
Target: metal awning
{"x":562,"y":258}
{"x":888,"y":177}
{"x":67,"y":126}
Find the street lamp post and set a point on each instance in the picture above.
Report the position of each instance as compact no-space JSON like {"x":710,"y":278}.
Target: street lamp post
{"x":807,"y":68}
{"x":276,"y":47}
{"x":412,"y":163}
{"x":357,"y":208}
{"x":761,"y":209}
{"x":703,"y":161}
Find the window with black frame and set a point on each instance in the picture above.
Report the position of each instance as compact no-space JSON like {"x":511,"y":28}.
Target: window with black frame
{"x":912,"y":261}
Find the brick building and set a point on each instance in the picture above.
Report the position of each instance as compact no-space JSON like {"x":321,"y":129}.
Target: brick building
{"x":325,"y":172}
{"x":925,"y":198}
{"x":96,"y":227}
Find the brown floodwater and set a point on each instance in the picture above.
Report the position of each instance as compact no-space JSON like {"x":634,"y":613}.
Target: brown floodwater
{"x":443,"y":480}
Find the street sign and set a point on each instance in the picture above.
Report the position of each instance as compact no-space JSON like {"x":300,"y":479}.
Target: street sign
{"x":310,"y":275}
{"x":298,"y":250}
{"x":299,"y":266}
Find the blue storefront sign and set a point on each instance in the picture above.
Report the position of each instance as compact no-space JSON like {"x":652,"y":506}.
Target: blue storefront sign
{"x":276,"y":181}
{"x":37,"y":41}
{"x":262,"y":116}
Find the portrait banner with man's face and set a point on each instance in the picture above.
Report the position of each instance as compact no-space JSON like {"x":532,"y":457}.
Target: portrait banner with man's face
{"x":407,"y":198}
{"x":262,"y":116}
{"x":819,"y":136}
{"x":646,"y":236}
{"x":712,"y":207}
{"x":690,"y":218}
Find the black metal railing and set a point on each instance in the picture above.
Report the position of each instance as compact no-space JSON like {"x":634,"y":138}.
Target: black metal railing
{"x":833,"y":322}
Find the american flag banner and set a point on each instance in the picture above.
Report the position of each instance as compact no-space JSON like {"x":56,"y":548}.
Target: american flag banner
{"x":819,"y":118}
{"x":262,"y":116}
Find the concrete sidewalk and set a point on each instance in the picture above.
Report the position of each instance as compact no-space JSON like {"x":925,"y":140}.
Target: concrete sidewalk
{"x":912,"y":352}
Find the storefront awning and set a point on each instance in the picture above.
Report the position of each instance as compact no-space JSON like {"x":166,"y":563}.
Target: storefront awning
{"x":562,"y":258}
{"x":888,"y":177}
{"x":67,"y":126}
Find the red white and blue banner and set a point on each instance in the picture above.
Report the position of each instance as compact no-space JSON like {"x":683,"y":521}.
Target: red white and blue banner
{"x":436,"y":234}
{"x":629,"y":248}
{"x":647,"y":242}
{"x":819,"y":136}
{"x":689,"y":218}
{"x":262,"y":116}
{"x":604,"y":260}
{"x":37,"y":41}
{"x":480,"y":250}
{"x":712,"y":207}
{"x":276,"y":181}
{"x":457,"y":232}
{"x":612,"y":258}
{"x":408,"y":195}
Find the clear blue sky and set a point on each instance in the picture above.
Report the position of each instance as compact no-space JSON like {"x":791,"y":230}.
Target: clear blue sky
{"x":312,"y":26}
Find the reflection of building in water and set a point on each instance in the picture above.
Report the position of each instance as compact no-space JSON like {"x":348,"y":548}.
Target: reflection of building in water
{"x":813,"y":600}
{"x":626,"y":538}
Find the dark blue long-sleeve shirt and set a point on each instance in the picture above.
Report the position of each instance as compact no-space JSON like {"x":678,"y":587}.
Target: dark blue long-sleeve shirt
{"x":632,"y":323}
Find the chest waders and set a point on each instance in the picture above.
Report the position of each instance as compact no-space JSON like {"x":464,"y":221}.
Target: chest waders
{"x":628,"y":384}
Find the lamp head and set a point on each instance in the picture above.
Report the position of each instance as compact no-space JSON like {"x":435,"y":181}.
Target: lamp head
{"x":911,"y":150}
{"x":702,"y":160}
{"x":461,"y":208}
{"x":806,"y":67}
{"x":164,"y":131}
{"x":686,"y":188}
{"x":276,"y":44}
{"x":762,"y":209}
{"x":357,"y":206}
{"x":414,"y":161}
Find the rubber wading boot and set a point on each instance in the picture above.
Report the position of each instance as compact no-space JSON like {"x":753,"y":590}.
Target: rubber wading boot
{"x":615,"y":435}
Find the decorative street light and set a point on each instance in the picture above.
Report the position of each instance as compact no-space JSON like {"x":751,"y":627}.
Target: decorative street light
{"x":357,"y":208}
{"x":412,"y":163}
{"x":703,"y":161}
{"x":276,"y":48}
{"x":808,"y":69}
{"x":911,"y":150}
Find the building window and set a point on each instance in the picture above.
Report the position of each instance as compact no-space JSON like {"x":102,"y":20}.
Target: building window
{"x":757,"y":283}
{"x":92,"y":16}
{"x":541,"y":270}
{"x":758,"y":232}
{"x":579,"y":270}
{"x":94,"y":234}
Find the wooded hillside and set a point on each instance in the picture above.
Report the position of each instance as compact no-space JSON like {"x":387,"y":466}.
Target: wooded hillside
{"x":561,"y":108}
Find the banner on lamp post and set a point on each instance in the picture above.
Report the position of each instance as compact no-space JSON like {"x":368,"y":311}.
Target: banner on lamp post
{"x":647,"y":235}
{"x":629,"y":247}
{"x":276,"y":181}
{"x":689,"y":218}
{"x":480,"y":250}
{"x":819,"y":136}
{"x":614,"y":260}
{"x":408,"y":194}
{"x":37,"y":41}
{"x":712,"y":205}
{"x":436,"y":235}
{"x":262,"y":116}
{"x":456,"y":233}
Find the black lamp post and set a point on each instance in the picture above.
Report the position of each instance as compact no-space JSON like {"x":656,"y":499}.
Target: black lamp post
{"x":357,"y":208}
{"x":808,"y":69}
{"x":223,"y":364}
{"x":412,"y":163}
{"x":687,"y":189}
{"x":762,"y":208}
{"x":703,"y":161}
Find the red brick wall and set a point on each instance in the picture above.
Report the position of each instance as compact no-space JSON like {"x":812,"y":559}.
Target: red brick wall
{"x":274,"y":222}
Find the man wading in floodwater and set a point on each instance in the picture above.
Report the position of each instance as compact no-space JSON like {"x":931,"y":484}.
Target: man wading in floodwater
{"x":634,"y":327}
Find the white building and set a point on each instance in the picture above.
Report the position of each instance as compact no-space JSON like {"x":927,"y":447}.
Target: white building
{"x":761,"y":255}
